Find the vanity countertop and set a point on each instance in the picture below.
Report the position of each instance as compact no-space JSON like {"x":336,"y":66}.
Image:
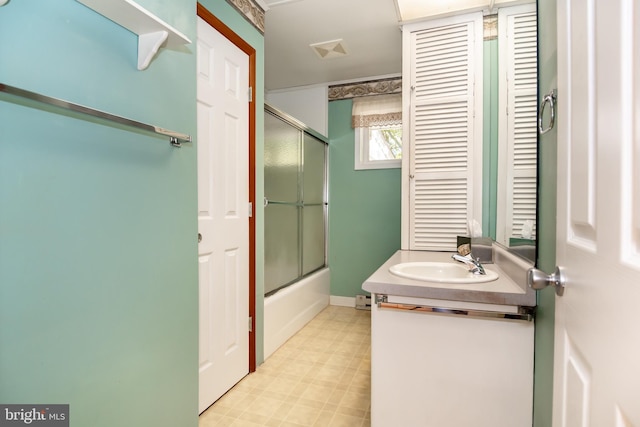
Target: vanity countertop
{"x":504,"y":290}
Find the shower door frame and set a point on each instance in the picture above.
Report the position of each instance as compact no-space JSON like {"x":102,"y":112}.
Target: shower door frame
{"x":304,"y":129}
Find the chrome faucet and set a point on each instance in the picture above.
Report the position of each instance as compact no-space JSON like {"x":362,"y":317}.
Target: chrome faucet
{"x":474,"y":264}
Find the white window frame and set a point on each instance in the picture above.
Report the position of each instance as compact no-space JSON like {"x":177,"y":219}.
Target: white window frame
{"x":361,"y":154}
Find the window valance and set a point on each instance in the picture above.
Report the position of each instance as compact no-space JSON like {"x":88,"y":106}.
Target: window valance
{"x":381,"y":110}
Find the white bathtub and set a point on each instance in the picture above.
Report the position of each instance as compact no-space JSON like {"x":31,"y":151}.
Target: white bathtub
{"x":288,"y":310}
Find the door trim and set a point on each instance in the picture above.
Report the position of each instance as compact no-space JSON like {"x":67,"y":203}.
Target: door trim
{"x":234,"y":38}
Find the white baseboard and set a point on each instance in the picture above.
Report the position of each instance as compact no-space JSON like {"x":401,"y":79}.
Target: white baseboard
{"x":342,"y":301}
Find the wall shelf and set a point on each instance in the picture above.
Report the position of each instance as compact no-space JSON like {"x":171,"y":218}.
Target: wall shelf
{"x":152,"y":31}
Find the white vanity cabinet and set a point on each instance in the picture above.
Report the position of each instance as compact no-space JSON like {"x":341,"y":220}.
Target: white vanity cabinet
{"x":449,"y":368}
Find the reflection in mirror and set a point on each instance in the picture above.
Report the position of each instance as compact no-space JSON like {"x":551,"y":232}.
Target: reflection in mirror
{"x":517,"y":130}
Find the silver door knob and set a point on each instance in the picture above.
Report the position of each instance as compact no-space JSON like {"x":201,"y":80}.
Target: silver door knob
{"x":538,"y":279}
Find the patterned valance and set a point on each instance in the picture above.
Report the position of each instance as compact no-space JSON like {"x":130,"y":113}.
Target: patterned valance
{"x":366,"y":88}
{"x":251,"y":11}
{"x":490,"y":27}
{"x":382,"y":110}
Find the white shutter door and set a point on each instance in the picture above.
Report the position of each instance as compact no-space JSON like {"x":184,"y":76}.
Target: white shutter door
{"x":518,"y":133}
{"x":444,"y":132}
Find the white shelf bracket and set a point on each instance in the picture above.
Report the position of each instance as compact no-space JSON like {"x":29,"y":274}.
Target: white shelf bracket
{"x":153,"y":33}
{"x":148,"y":45}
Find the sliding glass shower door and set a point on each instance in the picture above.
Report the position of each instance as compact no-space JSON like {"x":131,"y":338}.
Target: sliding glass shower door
{"x":295,"y":192}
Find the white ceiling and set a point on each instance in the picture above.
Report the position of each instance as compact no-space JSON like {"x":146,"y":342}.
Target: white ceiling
{"x":369,"y":30}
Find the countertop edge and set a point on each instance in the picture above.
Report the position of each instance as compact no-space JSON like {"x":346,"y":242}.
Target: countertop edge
{"x":383,"y":282}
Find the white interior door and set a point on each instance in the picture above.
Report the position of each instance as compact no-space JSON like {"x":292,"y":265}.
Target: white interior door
{"x":223,"y":215}
{"x":597,"y":337}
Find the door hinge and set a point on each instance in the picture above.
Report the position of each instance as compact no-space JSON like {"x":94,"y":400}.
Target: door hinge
{"x":250,"y":209}
{"x":250,"y":94}
{"x":506,"y":108}
{"x":250,"y":324}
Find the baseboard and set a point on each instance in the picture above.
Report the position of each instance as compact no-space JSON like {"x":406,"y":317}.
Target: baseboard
{"x":342,"y":301}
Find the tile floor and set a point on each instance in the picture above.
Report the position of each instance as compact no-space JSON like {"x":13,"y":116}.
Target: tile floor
{"x":320,"y":377}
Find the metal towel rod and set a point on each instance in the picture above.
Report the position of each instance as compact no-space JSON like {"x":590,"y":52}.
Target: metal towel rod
{"x":525,"y":313}
{"x":174,"y":137}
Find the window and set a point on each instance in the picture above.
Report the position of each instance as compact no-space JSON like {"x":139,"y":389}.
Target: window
{"x":378,"y":131}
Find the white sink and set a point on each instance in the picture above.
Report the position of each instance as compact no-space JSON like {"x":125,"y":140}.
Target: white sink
{"x":442,"y":272}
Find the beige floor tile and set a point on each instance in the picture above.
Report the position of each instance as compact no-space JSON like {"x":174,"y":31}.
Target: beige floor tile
{"x":356,"y":401}
{"x":245,"y":423}
{"x":303,"y":415}
{"x":320,"y":377}
{"x":324,"y":419}
{"x":273,"y":422}
{"x":310,"y":403}
{"x":341,"y":420}
{"x":352,"y":412}
{"x":264,"y":406}
{"x":317,"y":393}
{"x":216,"y":420}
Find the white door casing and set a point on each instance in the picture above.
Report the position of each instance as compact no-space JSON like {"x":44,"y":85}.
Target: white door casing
{"x":597,"y":338}
{"x":223,"y":215}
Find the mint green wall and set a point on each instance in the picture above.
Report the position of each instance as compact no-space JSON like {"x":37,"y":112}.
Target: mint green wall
{"x":98,"y":271}
{"x":364,"y":209}
{"x":547,"y":163}
{"x":490,"y":138}
{"x":98,"y":256}
{"x":227,"y":14}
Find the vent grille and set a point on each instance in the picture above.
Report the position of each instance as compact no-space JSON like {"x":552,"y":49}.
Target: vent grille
{"x":330,"y":49}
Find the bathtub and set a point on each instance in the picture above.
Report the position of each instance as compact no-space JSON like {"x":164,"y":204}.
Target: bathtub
{"x":289,"y":309}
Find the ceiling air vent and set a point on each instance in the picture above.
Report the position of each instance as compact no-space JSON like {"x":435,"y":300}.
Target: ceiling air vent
{"x":330,"y":49}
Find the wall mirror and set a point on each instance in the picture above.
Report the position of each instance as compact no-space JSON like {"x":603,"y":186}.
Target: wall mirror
{"x":453,"y":148}
{"x":516,"y":161}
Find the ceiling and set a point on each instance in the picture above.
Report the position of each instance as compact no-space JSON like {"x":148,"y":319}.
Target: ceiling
{"x":367,"y":30}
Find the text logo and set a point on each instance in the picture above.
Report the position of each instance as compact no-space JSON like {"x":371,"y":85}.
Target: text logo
{"x":34,"y":415}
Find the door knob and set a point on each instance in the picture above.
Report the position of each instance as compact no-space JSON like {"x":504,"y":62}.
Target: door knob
{"x":199,"y":237}
{"x":538,"y":279}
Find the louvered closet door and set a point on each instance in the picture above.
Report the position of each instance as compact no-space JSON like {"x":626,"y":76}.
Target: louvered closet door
{"x":445,"y":131}
{"x":518,"y":130}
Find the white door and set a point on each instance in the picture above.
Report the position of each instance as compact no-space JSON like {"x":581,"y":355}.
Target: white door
{"x":223,"y":216}
{"x":597,"y":336}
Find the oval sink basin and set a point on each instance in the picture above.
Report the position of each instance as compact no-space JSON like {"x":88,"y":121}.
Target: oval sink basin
{"x":442,"y":272}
